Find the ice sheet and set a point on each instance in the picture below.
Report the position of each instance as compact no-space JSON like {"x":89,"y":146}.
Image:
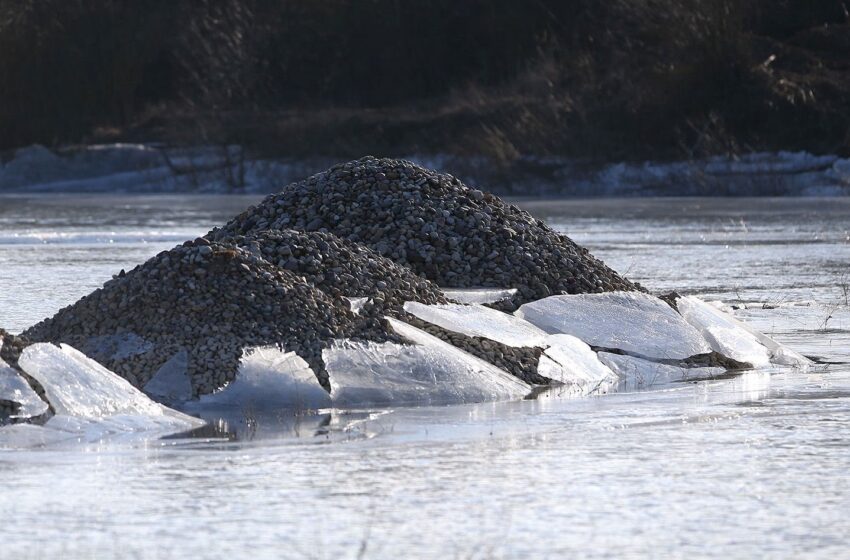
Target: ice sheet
{"x":171,"y":382}
{"x":724,"y":333}
{"x":477,"y":320}
{"x":91,"y":403}
{"x":479,"y":295}
{"x":78,"y":386}
{"x":427,"y":372}
{"x":15,"y":388}
{"x":70,"y":430}
{"x":779,"y":353}
{"x":572,"y":362}
{"x":637,"y":374}
{"x":635,"y":323}
{"x":269,"y":378}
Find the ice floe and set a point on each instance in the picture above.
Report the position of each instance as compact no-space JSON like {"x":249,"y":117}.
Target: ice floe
{"x":637,"y":374}
{"x":735,"y":339}
{"x":428,"y":371}
{"x":171,"y":382}
{"x":572,"y":362}
{"x":479,"y":295}
{"x":634,"y":323}
{"x":269,"y":377}
{"x":15,"y":389}
{"x":90,"y":403}
{"x":477,"y":320}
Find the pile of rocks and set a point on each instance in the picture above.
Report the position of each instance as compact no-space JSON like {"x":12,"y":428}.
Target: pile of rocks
{"x":283,"y":273}
{"x":341,"y":268}
{"x":208,"y":299}
{"x":436,"y":226}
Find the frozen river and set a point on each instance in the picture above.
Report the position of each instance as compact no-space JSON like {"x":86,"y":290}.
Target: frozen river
{"x":752,"y":466}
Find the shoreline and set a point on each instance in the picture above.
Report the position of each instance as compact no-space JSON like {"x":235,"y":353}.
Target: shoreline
{"x":155,"y":169}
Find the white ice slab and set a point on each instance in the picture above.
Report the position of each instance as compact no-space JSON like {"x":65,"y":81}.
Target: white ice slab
{"x":477,"y":320}
{"x":724,"y":333}
{"x":171,"y":382}
{"x":779,"y":353}
{"x":636,"y":323}
{"x":429,"y":371}
{"x":637,"y":374}
{"x":269,"y":378}
{"x":14,"y":388}
{"x":92,"y":404}
{"x":78,"y":386}
{"x":572,"y":362}
{"x":479,"y":295}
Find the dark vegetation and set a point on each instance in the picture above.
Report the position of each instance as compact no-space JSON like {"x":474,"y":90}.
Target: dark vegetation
{"x":613,"y":79}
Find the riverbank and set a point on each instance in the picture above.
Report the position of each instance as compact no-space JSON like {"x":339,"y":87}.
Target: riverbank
{"x":156,"y":168}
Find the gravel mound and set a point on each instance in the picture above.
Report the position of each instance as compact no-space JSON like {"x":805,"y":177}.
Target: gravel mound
{"x":341,"y":268}
{"x":436,"y":226}
{"x":209,"y":299}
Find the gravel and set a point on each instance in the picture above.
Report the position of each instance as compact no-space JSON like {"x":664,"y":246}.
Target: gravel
{"x":436,"y":226}
{"x":280,"y":274}
{"x":211,"y":299}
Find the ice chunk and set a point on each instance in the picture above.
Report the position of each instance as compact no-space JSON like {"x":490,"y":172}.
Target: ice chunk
{"x":572,"y":362}
{"x":477,"y":320}
{"x":779,"y":353}
{"x":429,"y":371}
{"x":78,"y":386}
{"x":479,"y":295}
{"x":15,"y":388}
{"x":91,"y":403}
{"x":171,"y":381}
{"x":635,"y":323}
{"x":269,"y":378}
{"x":637,"y":374}
{"x":357,"y":303}
{"x":724,"y":333}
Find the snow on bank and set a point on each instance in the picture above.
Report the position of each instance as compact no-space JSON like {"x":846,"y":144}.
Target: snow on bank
{"x":210,"y":169}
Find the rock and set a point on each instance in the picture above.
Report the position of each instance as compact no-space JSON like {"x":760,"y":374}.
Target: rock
{"x":411,"y":216}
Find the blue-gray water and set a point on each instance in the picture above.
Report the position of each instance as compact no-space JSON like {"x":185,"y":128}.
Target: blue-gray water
{"x":754,"y":466}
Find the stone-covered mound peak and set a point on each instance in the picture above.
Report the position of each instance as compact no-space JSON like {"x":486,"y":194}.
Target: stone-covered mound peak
{"x":435,"y":225}
{"x":204,"y":301}
{"x":341,"y":268}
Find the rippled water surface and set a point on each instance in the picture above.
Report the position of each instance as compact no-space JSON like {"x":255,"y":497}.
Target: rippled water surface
{"x":752,"y":466}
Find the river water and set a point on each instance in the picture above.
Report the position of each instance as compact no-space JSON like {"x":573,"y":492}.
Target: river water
{"x":752,"y":466}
